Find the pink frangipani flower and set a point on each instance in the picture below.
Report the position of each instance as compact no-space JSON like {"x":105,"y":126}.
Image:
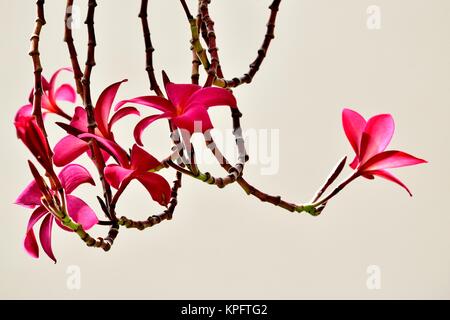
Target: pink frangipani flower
{"x":138,"y":166}
{"x":70,"y":147}
{"x":369,"y":140}
{"x":187,"y":106}
{"x":71,"y":177}
{"x":51,"y":95}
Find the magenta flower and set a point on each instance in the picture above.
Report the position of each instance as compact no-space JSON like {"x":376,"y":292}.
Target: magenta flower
{"x":31,"y":135}
{"x":369,"y":141}
{"x":52,"y":94}
{"x":187,"y":106}
{"x":138,"y":166}
{"x":71,"y":177}
{"x":70,"y":147}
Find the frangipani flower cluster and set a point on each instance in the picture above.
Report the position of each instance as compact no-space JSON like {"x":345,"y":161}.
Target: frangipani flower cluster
{"x":87,"y":129}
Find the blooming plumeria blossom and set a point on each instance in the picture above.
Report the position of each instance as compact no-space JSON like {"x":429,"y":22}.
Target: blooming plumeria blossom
{"x":187,"y":106}
{"x":369,"y":140}
{"x":51,"y":96}
{"x":138,"y":166}
{"x":71,"y":177}
{"x":70,"y":147}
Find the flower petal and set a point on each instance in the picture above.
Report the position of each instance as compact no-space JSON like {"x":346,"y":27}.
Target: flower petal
{"x":68,"y":149}
{"x":65,"y":92}
{"x":354,"y":125}
{"x":156,"y":185}
{"x":355,"y":163}
{"x":389,"y":176}
{"x":80,"y":212}
{"x":110,"y":146}
{"x":30,"y":244}
{"x":376,"y":136}
{"x":196,"y":119}
{"x":179,"y":94}
{"x":141,"y":160}
{"x":29,"y":132}
{"x":37,"y":214}
{"x":116,"y":174}
{"x":144,"y":123}
{"x":103,"y":106}
{"x":210,"y":97}
{"x":122,"y":113}
{"x":72,"y":175}
{"x":79,"y":119}
{"x":30,"y":197}
{"x":390,"y":159}
{"x":25,"y":111}
{"x":45,"y":236}
{"x":155,"y":102}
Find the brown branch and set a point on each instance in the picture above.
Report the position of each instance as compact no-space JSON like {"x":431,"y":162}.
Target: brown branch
{"x":35,"y":55}
{"x":212,"y":46}
{"x":156,"y":219}
{"x":77,"y":73}
{"x":97,"y":156}
{"x":262,"y":52}
{"x":149,"y":49}
{"x":206,"y":25}
{"x":90,"y":63}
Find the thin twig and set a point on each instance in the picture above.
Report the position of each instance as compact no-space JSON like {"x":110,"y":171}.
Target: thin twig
{"x":148,"y":49}
{"x":77,"y":73}
{"x":35,"y":55}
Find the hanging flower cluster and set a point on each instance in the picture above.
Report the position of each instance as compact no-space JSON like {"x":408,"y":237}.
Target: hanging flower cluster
{"x":89,"y":133}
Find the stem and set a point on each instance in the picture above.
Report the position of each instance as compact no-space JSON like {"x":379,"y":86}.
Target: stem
{"x":149,"y":49}
{"x":97,"y":156}
{"x":337,"y":189}
{"x":333,"y":176}
{"x":212,"y":46}
{"x":35,"y":56}
{"x":262,"y":52}
{"x":214,"y":70}
{"x":156,"y":219}
{"x":77,"y":73}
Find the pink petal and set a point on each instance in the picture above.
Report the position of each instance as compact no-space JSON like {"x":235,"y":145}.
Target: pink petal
{"x":80,"y":212}
{"x":110,"y":146}
{"x":68,"y":149}
{"x":25,"y":111}
{"x":72,"y":175}
{"x":30,"y":197}
{"x":79,"y":119}
{"x":122,"y":113}
{"x":179,"y":94}
{"x":210,"y":97}
{"x":141,"y":160}
{"x":45,"y":236}
{"x":355,"y":163}
{"x":29,"y":132}
{"x":144,"y":123}
{"x":65,"y":92}
{"x":103,"y":106}
{"x":37,"y":214}
{"x":389,"y":176}
{"x":52,"y":84}
{"x":30,"y":244}
{"x":116,"y":174}
{"x":157,"y":186}
{"x":354,"y":125}
{"x":196,"y":119}
{"x":390,"y":159}
{"x":376,"y":136}
{"x":156,"y":102}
